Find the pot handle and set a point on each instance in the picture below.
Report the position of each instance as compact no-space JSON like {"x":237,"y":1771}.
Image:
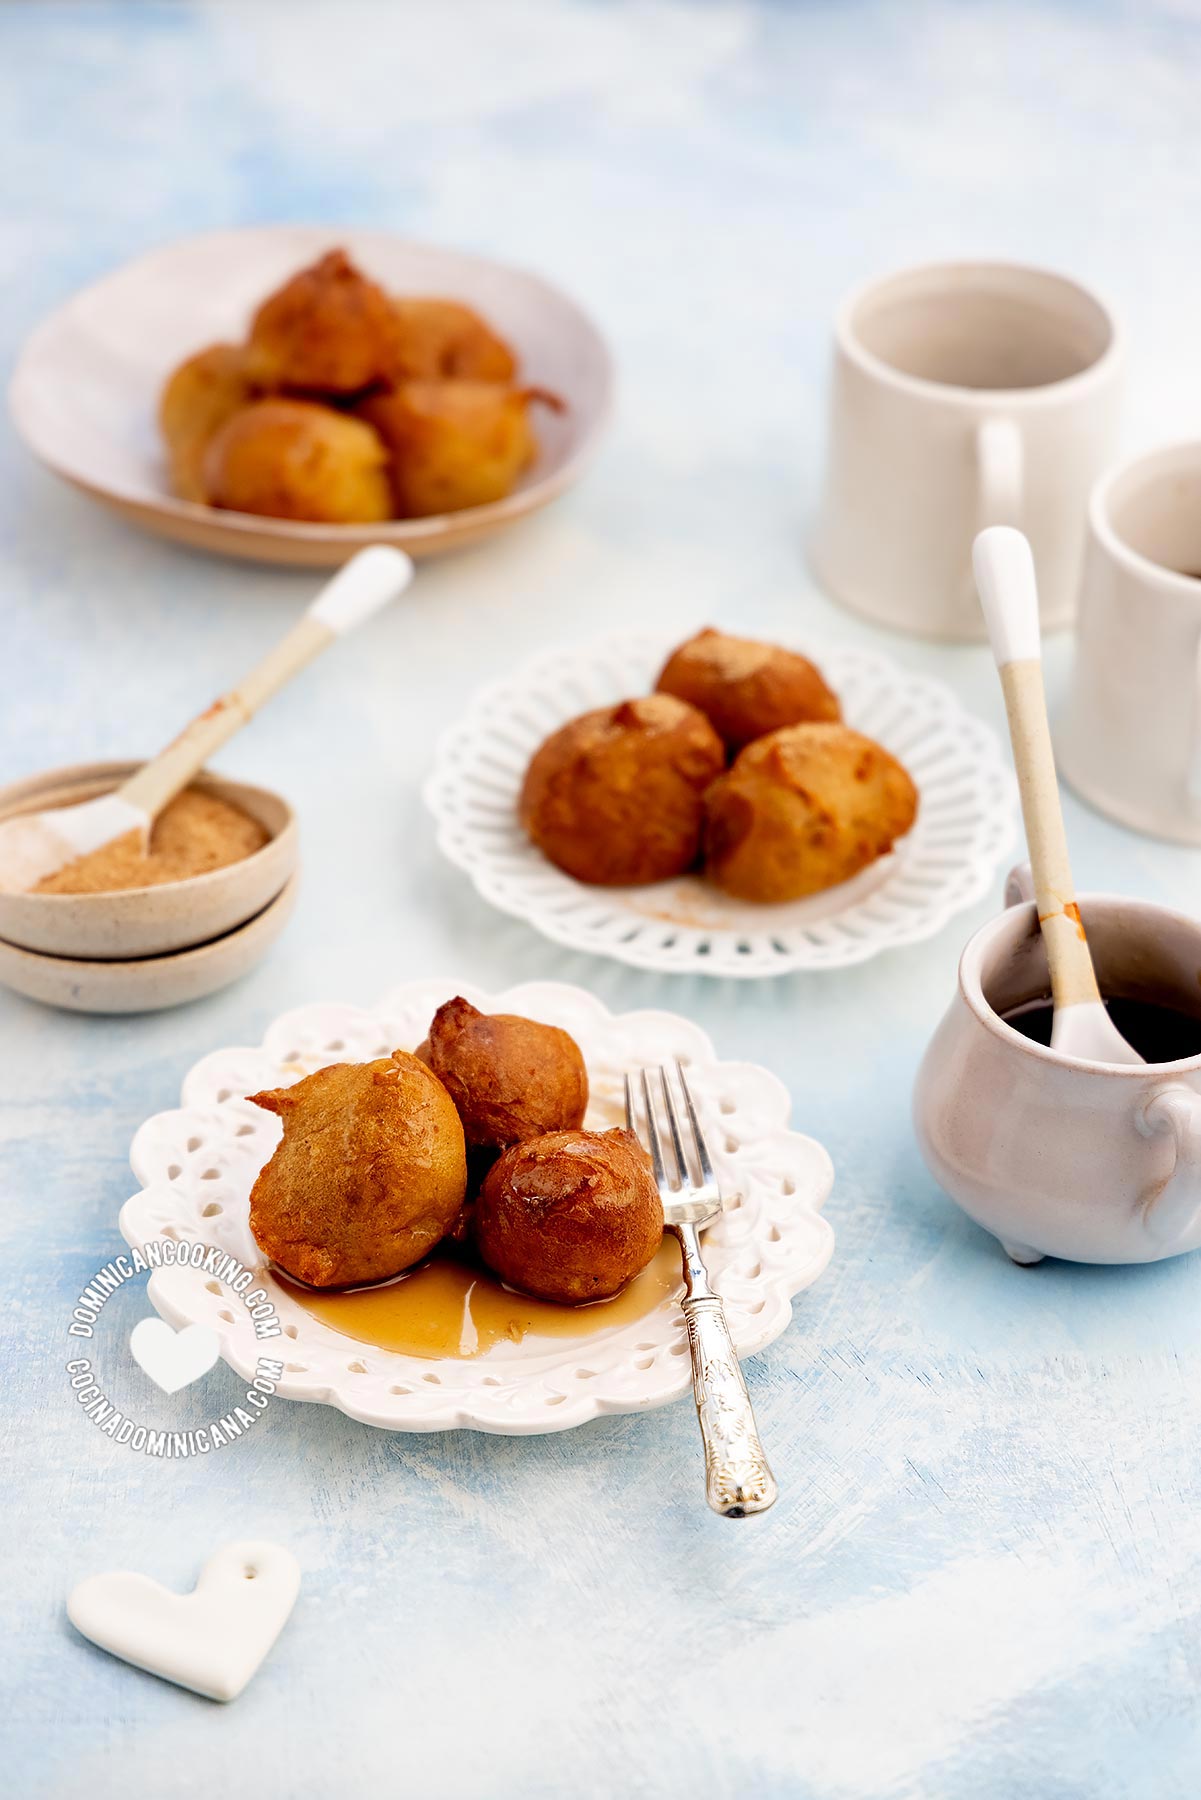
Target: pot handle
{"x":1175,"y":1111}
{"x":1019,"y":886}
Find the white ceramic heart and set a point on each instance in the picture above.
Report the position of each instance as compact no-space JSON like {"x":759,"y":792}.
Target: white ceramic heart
{"x":173,"y":1359}
{"x":211,"y":1640}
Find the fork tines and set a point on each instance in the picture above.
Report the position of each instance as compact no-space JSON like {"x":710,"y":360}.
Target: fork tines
{"x":690,"y":1154}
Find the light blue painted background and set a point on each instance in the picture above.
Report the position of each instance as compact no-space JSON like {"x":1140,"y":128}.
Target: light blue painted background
{"x":984,"y":1575}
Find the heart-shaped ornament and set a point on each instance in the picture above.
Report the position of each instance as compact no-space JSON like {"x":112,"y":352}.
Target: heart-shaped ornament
{"x":211,"y":1640}
{"x":173,"y":1359}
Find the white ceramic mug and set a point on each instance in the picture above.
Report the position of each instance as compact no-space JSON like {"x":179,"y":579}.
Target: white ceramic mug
{"x":1130,"y":741}
{"x":964,"y":395}
{"x":1093,"y":1162}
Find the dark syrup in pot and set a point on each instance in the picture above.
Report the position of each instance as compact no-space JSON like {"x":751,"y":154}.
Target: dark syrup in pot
{"x":1159,"y":1033}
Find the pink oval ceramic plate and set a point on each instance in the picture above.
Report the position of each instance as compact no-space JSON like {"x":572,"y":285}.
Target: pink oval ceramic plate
{"x":85,"y":392}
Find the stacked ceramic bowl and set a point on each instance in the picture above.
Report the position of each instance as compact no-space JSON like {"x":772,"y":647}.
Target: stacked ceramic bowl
{"x":141,"y":949}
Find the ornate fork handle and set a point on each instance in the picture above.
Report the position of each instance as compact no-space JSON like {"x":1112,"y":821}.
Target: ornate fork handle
{"x":737,"y":1477}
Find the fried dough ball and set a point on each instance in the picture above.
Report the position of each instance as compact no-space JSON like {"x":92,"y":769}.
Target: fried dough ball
{"x":370,"y":1173}
{"x":443,"y":340}
{"x":327,"y":331}
{"x":291,"y":459}
{"x":744,"y":688}
{"x":454,"y":444}
{"x":198,"y":397}
{"x":571,"y":1216}
{"x":510,"y":1078}
{"x":615,"y":797}
{"x":802,"y":809}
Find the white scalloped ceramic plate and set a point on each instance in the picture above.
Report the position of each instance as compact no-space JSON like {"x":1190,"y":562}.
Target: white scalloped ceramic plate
{"x":964,"y":828}
{"x":197,"y":1166}
{"x":84,"y":395}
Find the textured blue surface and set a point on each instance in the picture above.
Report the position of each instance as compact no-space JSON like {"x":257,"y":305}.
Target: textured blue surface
{"x":984,"y":1575}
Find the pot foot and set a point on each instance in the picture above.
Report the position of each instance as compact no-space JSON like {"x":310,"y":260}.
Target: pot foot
{"x":1021,"y":1254}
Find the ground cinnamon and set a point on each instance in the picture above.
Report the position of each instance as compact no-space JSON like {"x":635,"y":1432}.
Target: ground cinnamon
{"x":194,"y":833}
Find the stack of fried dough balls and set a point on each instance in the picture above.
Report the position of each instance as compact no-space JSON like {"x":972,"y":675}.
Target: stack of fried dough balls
{"x":477,"y":1138}
{"x":347,"y":405}
{"x":641,"y":791}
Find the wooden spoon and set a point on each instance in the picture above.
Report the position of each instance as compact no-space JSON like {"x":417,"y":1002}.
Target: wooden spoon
{"x":1005,"y":577}
{"x":35,"y":845}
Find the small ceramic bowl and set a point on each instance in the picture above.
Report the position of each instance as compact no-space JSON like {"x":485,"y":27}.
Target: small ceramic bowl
{"x":149,"y":983}
{"x":147,"y":921}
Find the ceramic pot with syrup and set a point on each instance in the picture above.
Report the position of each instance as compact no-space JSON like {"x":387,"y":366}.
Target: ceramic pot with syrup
{"x":1092,"y":1162}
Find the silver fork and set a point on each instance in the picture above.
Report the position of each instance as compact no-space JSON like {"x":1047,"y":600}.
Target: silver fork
{"x":737,"y":1478}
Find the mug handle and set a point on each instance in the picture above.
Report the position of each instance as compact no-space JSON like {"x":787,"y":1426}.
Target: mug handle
{"x":1000,"y":473}
{"x":1175,"y":1111}
{"x":1019,"y":886}
{"x":1192,"y":778}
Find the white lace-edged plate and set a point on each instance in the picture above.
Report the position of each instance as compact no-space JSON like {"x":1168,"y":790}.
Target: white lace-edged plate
{"x":965,"y":824}
{"x":197,"y":1165}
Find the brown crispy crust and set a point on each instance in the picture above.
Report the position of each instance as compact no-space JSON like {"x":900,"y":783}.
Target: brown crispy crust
{"x":293,"y":459}
{"x":572,"y":1216}
{"x":370,"y":1173}
{"x":615,"y":797}
{"x":745,"y":688}
{"x":197,"y":398}
{"x":443,"y":340}
{"x":802,"y":809}
{"x":327,"y":330}
{"x":453,"y":444}
{"x":510,"y":1078}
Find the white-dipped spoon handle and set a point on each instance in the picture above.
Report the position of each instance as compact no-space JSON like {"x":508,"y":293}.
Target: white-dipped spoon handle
{"x":1004,"y":569}
{"x":359,"y":589}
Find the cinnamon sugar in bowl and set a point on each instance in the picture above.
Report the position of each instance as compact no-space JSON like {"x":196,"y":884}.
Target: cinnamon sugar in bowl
{"x":242,"y":840}
{"x":194,"y":834}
